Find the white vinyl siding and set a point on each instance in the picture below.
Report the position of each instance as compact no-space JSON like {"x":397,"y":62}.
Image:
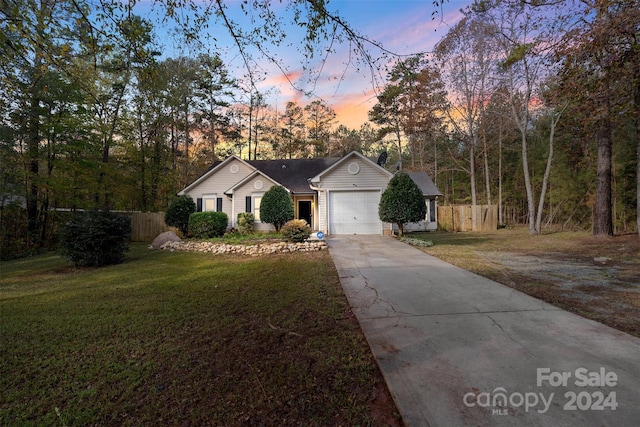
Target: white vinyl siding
{"x":222,"y":180}
{"x":219,"y":182}
{"x":368,"y":177}
{"x":248,"y":189}
{"x":429,"y":223}
{"x":322,"y":212}
{"x":349,"y":197}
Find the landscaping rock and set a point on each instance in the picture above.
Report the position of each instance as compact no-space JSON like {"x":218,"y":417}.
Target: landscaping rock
{"x":167,"y":236}
{"x":252,"y":250}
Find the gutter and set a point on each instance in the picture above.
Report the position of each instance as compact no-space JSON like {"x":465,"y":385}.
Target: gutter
{"x":318,"y":190}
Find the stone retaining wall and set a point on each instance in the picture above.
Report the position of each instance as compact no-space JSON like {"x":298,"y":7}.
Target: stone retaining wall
{"x":253,"y":250}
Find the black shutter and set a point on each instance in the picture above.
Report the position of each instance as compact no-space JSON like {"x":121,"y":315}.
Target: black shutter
{"x":219,"y":204}
{"x":199,"y":204}
{"x":247,"y":205}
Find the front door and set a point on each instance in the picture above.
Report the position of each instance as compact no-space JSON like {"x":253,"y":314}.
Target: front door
{"x":304,"y":211}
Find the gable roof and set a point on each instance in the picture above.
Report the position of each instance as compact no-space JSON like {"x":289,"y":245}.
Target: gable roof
{"x":294,"y":174}
{"x":212,"y":169}
{"x":249,"y":178}
{"x":316,"y":177}
{"x":425,"y":183}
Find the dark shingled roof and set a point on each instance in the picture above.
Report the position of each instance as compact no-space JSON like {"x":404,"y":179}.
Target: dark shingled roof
{"x":423,"y":181}
{"x":294,"y":174}
{"x":213,"y":166}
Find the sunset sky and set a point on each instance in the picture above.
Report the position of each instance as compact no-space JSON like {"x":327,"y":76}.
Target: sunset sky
{"x":401,"y":26}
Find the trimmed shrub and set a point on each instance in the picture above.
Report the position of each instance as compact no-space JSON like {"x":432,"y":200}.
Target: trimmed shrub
{"x":245,"y":223}
{"x":95,"y":238}
{"x":296,"y":230}
{"x":402,"y":202}
{"x":178,"y":213}
{"x":276,"y":207}
{"x":204,"y":225}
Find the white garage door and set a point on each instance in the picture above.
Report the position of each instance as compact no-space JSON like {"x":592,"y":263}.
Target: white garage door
{"x":354,"y":212}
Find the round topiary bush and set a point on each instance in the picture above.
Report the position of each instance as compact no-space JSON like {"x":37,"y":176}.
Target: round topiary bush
{"x":94,"y":239}
{"x":276,"y":207}
{"x":178,"y":213}
{"x":296,"y":230}
{"x":205,"y":225}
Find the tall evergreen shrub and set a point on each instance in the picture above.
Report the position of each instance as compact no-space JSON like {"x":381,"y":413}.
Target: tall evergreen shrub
{"x":402,"y":202}
{"x":95,"y":238}
{"x":178,"y":213}
{"x":276,"y":207}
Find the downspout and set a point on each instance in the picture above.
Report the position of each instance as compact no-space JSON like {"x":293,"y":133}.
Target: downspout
{"x":233,"y":218}
{"x":318,"y":190}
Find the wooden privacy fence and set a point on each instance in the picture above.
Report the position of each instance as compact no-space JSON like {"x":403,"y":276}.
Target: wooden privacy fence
{"x":468,"y":218}
{"x":145,"y":226}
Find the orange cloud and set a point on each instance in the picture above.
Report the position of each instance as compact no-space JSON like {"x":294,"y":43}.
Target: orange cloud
{"x":279,"y":79}
{"x":352,"y":109}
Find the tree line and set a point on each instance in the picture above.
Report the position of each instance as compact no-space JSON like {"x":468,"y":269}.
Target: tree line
{"x":533,"y":106}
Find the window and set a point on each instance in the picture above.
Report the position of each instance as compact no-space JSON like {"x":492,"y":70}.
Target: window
{"x":211,"y":203}
{"x":428,"y":214}
{"x":256,"y":207}
{"x":252,"y":204}
{"x":431,"y":210}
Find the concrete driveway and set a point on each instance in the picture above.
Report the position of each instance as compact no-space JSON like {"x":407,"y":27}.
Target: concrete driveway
{"x":457,"y":349}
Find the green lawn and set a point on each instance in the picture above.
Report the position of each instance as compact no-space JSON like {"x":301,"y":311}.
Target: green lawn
{"x":182,"y":339}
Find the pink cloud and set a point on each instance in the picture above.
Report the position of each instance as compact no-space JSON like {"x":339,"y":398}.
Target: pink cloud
{"x":350,"y":88}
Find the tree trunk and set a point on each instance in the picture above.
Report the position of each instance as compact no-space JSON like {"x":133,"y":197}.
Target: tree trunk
{"x":255,"y":143}
{"x":500,"y":214}
{"x":527,"y":183}
{"x":487,"y":181}
{"x":472,"y":171}
{"x":637,"y":107}
{"x":33,"y":132}
{"x":638,"y":161}
{"x":545,"y":179}
{"x":397,"y":131}
{"x":186,"y":142}
{"x":250,"y":124}
{"x":174,"y":142}
{"x":638,"y":174}
{"x":602,"y":219}
{"x":214,"y":138}
{"x":33,"y":154}
{"x":143,"y":161}
{"x":602,"y":215}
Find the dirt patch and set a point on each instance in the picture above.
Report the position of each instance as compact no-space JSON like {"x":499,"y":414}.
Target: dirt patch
{"x":596,"y":277}
{"x":603,"y":288}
